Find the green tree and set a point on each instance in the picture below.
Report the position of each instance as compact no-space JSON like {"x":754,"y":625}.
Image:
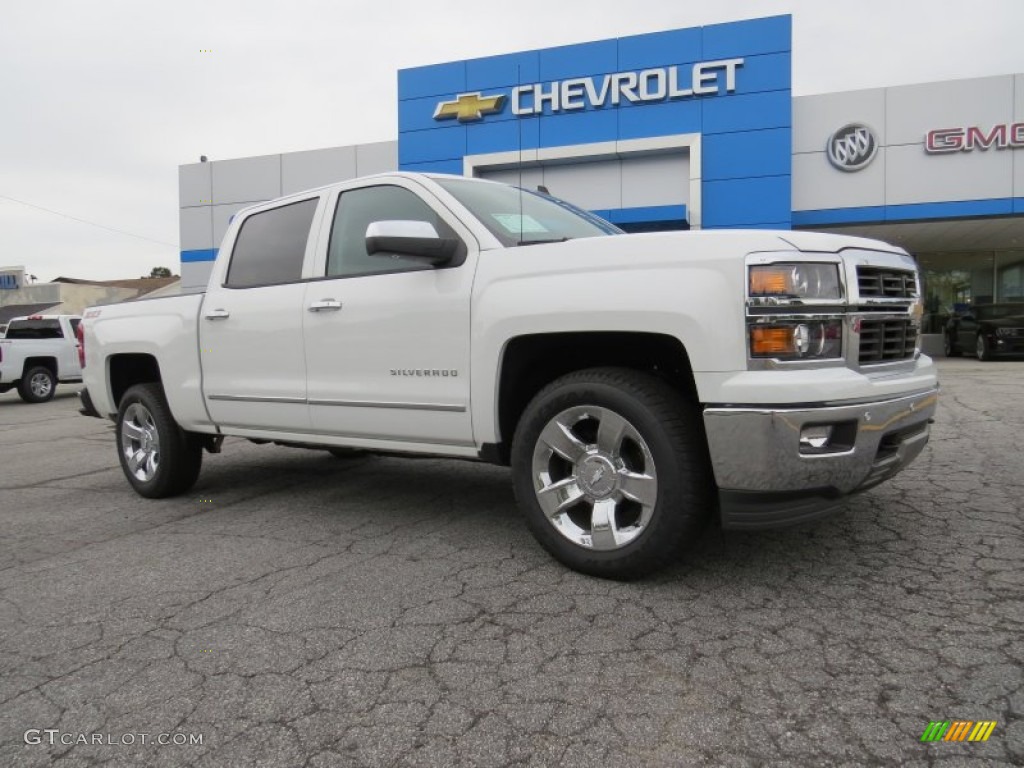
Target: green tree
{"x":160,"y":272}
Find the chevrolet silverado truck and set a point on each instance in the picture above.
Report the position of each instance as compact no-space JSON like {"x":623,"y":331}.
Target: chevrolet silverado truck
{"x":37,"y":352}
{"x":639,"y":385}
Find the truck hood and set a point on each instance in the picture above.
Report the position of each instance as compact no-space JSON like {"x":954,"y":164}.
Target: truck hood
{"x":695,"y":245}
{"x":824,"y":242}
{"x":750,"y":240}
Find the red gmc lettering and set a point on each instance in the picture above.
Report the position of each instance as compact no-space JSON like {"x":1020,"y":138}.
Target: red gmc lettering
{"x":944,"y":140}
{"x":972,"y":137}
{"x":975,"y":138}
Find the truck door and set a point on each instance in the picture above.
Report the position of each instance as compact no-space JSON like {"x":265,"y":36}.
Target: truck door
{"x":386,"y":337}
{"x":250,"y":324}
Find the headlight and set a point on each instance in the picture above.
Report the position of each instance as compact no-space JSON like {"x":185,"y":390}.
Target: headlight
{"x":804,"y":340}
{"x":795,"y":281}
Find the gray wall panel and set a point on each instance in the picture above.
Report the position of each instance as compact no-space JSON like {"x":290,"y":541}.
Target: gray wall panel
{"x":194,"y":184}
{"x":379,"y":157}
{"x":247,"y":179}
{"x":529,"y":178}
{"x":195,"y":273}
{"x":913,"y":110}
{"x":594,"y":186}
{"x":815,"y":118}
{"x":222,"y":218}
{"x":195,"y":228}
{"x":817,"y":184}
{"x":917,"y":177}
{"x":910,"y":174}
{"x":305,"y":170}
{"x":632,"y":182}
{"x":656,"y":180}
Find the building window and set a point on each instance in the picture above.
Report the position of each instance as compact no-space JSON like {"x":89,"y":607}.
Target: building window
{"x":957,"y":282}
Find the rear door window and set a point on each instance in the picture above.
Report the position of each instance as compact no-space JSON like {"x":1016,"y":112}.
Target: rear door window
{"x":271,"y":246}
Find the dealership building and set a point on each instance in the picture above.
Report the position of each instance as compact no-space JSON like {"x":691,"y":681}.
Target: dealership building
{"x":693,"y":129}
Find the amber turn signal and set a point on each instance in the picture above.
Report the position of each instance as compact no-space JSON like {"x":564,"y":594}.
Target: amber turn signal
{"x":771,"y":341}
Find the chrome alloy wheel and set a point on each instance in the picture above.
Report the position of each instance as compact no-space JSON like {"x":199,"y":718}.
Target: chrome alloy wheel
{"x":594,"y":477}
{"x":140,"y":442}
{"x":40,"y":385}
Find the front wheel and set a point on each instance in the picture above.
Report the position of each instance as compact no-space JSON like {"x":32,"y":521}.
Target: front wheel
{"x":983,"y":349}
{"x":37,"y":385}
{"x":157,"y":456}
{"x":611,"y":471}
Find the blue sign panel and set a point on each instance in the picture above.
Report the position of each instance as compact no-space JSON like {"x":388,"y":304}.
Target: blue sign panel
{"x":729,"y":83}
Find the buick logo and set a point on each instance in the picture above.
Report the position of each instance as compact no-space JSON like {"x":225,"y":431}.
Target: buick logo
{"x":852,"y":147}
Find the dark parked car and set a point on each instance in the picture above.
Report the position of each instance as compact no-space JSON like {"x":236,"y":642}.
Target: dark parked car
{"x":994,"y":329}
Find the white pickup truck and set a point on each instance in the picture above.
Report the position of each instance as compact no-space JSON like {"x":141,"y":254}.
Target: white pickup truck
{"x":638,"y":385}
{"x":37,"y":352}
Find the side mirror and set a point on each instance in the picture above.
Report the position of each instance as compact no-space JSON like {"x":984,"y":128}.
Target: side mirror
{"x":415,"y":239}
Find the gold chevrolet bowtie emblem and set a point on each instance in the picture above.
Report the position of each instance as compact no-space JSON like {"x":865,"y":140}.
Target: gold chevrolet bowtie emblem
{"x":469,"y":106}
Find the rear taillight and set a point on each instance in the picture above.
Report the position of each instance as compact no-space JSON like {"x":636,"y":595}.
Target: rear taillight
{"x":80,"y":334}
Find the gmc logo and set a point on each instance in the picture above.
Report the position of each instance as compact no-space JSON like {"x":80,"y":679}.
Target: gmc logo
{"x":1007,"y":135}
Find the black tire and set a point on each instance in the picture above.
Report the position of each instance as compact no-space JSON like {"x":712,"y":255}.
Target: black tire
{"x":949,"y":347}
{"x":178,"y":454}
{"x":983,"y":349}
{"x":37,"y":385}
{"x":671,"y":436}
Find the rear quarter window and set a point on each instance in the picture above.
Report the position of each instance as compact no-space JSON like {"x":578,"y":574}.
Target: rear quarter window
{"x":34,"y":329}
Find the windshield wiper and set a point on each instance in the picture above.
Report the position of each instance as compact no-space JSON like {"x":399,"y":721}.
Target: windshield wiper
{"x":541,"y":242}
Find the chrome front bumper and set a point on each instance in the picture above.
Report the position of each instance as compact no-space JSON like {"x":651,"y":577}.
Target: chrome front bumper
{"x":765,"y":477}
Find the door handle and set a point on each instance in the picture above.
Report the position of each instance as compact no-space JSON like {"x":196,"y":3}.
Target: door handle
{"x":218,"y":314}
{"x":326,"y":305}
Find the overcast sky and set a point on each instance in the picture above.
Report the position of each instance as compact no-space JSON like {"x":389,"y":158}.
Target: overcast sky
{"x":102,"y":100}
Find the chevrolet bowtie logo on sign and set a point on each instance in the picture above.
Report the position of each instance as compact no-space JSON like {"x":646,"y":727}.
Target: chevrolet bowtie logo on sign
{"x":469,"y":106}
{"x":958,"y":730}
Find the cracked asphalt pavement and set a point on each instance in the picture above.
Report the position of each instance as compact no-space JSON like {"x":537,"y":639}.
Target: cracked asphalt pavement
{"x":299,"y":610}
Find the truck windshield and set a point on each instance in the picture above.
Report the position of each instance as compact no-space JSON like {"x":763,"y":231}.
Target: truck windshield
{"x":34,"y":329}
{"x":520,"y":217}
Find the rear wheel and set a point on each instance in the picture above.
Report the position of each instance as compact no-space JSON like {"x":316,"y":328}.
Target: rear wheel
{"x":157,"y":456}
{"x":948,"y":347}
{"x":37,"y":385}
{"x":611,"y":471}
{"x":983,"y":349}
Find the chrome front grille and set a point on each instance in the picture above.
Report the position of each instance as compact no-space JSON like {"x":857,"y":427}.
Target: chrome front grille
{"x":883,"y":341}
{"x":878,"y":282}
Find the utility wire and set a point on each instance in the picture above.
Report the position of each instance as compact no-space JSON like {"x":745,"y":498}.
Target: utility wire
{"x":85,"y":221}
